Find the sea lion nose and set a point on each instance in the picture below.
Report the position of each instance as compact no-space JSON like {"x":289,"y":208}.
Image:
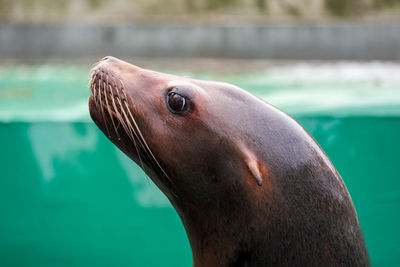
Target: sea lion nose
{"x":107,"y":58}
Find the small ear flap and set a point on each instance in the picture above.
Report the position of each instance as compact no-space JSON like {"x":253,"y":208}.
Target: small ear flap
{"x":252,"y":164}
{"x":254,"y":170}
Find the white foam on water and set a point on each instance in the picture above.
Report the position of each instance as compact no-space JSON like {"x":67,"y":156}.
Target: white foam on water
{"x":322,"y":87}
{"x":376,"y":71}
{"x":75,"y":112}
{"x":302,"y":87}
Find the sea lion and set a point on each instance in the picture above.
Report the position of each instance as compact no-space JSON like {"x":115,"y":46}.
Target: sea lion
{"x":251,"y":186}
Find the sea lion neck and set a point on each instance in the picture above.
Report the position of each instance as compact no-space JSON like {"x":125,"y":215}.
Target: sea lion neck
{"x":225,"y":233}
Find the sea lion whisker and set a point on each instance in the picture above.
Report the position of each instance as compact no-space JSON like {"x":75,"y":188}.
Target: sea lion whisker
{"x":101,"y":104}
{"x":91,"y":76}
{"x":126,"y":97}
{"x":103,"y":107}
{"x":117,"y":114}
{"x":105,"y":84}
{"x":95,"y":92}
{"x":123,"y":88}
{"x":142,"y":137}
{"x":92,"y":84}
{"x":133,"y":131}
{"x":113,"y":97}
{"x":148,"y":148}
{"x":128,"y":121}
{"x":91,"y":79}
{"x":128,"y":111}
{"x":128,"y":130}
{"x":115,"y":110}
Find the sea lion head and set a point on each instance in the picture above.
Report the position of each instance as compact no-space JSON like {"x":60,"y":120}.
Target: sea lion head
{"x":182,"y":131}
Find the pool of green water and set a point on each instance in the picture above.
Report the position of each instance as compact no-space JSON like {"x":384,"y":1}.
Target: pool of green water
{"x":68,"y":197}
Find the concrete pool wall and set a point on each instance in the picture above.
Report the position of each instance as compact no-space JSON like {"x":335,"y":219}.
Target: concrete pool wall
{"x":327,"y":41}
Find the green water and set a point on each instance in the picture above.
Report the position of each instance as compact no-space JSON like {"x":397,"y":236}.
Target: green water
{"x":68,"y":197}
{"x":80,"y":202}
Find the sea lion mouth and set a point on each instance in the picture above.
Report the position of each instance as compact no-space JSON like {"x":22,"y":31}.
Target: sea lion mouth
{"x":112,"y":109}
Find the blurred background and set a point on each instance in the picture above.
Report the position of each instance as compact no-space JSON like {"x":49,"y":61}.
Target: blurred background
{"x":68,"y":197}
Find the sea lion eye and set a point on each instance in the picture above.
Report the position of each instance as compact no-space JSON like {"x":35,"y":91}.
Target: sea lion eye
{"x":176,"y":102}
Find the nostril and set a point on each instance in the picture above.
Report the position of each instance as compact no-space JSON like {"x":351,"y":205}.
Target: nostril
{"x":106,"y":58}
